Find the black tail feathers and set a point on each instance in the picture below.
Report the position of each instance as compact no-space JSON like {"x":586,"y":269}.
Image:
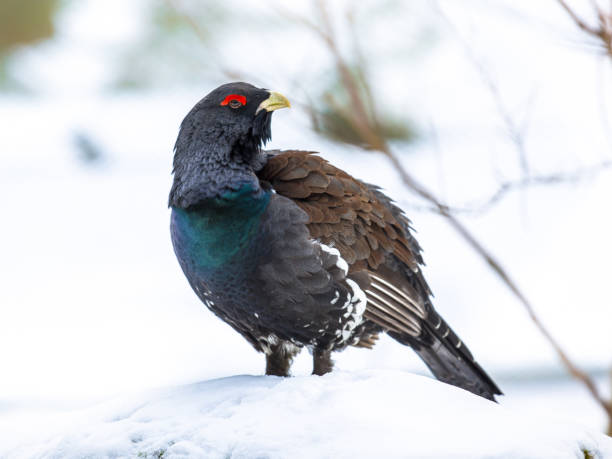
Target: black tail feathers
{"x":448,"y":357}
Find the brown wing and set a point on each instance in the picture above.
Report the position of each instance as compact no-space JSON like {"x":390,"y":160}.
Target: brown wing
{"x":346,"y":213}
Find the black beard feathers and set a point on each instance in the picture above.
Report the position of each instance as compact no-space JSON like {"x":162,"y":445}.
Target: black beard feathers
{"x":248,"y":148}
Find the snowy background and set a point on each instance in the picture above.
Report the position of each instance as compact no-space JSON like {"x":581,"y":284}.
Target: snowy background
{"x":93,"y":305}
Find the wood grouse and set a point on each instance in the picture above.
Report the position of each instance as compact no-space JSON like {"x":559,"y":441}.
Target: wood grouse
{"x":291,"y":251}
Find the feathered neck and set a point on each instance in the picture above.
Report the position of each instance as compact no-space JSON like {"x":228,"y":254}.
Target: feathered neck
{"x":209,"y":164}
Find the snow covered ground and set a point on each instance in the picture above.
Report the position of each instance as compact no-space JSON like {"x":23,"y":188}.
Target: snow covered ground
{"x":95,"y":315}
{"x":388,"y":414}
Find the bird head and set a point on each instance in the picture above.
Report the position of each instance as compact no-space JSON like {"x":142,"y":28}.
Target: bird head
{"x":235,"y":116}
{"x":219,"y":142}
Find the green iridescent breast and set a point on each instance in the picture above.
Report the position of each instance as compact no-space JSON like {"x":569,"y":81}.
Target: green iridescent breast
{"x":218,"y":229}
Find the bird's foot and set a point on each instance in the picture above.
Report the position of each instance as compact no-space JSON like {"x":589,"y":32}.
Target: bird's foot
{"x":322,"y":362}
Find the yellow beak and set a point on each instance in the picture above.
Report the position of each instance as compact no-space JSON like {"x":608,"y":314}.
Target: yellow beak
{"x":274,"y":102}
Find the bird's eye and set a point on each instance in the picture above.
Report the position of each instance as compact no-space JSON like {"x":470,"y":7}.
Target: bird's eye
{"x":234,"y":101}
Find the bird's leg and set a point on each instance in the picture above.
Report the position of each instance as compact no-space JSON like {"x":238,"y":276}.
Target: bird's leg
{"x":280,"y":358}
{"x":322,"y":362}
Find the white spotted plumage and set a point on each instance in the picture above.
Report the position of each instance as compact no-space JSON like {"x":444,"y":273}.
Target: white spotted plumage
{"x":340,"y":262}
{"x":354,"y":308}
{"x":356,"y":299}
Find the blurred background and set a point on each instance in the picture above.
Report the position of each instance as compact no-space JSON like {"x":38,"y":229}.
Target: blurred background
{"x":500,"y":108}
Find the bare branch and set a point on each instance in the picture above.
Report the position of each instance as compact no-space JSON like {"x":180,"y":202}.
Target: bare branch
{"x":529,"y":182}
{"x":578,"y":20}
{"x":603,"y":31}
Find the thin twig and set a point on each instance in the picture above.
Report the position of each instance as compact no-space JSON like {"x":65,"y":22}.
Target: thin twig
{"x":602,"y":33}
{"x":530,"y":182}
{"x":517,"y":132}
{"x":202,"y":35}
{"x":578,"y":20}
{"x":188,"y":19}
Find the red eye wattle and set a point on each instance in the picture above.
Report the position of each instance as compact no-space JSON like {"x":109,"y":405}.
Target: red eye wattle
{"x":234,"y":100}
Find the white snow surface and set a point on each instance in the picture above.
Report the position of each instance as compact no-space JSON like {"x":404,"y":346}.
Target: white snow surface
{"x":365,"y":414}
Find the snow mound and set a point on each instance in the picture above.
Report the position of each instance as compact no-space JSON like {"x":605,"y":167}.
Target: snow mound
{"x":368,"y":414}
